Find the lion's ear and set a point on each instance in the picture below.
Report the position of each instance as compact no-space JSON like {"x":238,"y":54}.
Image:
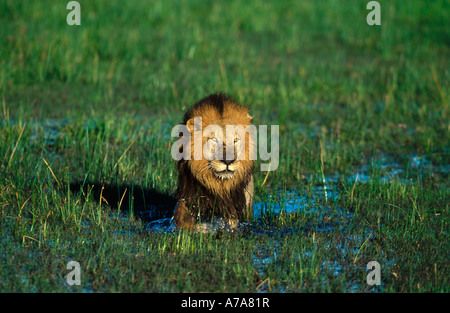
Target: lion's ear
{"x":194,"y":125}
{"x":190,"y":125}
{"x":250,"y":118}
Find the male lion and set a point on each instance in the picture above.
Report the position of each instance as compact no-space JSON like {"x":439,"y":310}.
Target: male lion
{"x":220,"y":183}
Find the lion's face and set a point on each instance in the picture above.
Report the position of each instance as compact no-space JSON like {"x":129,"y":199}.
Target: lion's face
{"x":227,"y":146}
{"x":224,"y":150}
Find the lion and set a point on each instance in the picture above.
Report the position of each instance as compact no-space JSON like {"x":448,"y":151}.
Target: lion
{"x":220,"y":183}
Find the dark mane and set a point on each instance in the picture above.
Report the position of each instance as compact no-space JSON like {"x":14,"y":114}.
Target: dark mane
{"x":216,"y":100}
{"x":199,"y":199}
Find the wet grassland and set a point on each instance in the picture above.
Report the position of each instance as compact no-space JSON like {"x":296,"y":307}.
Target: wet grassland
{"x":86,"y":172}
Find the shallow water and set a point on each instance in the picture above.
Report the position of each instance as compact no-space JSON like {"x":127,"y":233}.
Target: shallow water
{"x":209,"y":226}
{"x":314,"y":201}
{"x":162,"y":225}
{"x":311,"y":202}
{"x":287,"y":202}
{"x":290,"y":202}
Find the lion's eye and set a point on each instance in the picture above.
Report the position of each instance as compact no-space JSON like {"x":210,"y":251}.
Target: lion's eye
{"x":213,"y":140}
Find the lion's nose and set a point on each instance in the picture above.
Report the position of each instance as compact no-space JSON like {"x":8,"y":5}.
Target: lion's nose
{"x":228,"y":162}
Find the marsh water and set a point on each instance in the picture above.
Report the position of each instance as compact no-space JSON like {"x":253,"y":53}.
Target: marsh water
{"x":319,"y":201}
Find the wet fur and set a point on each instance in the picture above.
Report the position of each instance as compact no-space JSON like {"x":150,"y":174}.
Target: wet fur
{"x":200,"y":193}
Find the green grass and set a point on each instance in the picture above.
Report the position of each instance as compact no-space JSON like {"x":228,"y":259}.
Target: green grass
{"x":93,"y":105}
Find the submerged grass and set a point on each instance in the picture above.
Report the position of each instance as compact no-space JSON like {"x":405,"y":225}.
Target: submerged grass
{"x":86,"y":115}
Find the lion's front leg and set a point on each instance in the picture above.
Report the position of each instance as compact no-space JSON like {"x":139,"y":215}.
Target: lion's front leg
{"x":182,"y":217}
